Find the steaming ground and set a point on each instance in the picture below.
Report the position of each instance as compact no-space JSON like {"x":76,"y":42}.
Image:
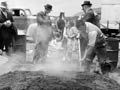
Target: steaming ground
{"x":11,"y":62}
{"x":55,"y":74}
{"x":53,"y":66}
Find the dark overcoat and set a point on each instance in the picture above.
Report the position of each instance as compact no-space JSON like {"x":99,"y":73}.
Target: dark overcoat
{"x":7,"y":34}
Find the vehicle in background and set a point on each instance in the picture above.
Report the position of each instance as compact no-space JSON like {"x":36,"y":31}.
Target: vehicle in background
{"x":22,"y":19}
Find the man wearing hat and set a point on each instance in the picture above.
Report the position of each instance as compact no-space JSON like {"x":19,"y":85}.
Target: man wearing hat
{"x":43,"y":34}
{"x":96,"y":43}
{"x":42,"y":17}
{"x":89,"y":14}
{"x":8,"y":31}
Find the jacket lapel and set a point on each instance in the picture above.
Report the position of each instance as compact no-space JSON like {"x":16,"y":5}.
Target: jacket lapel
{"x":4,"y":14}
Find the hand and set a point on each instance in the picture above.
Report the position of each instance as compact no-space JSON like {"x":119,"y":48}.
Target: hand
{"x":7,"y":23}
{"x":78,"y":36}
{"x":49,"y":22}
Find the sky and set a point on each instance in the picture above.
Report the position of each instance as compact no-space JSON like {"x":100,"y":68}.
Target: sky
{"x":70,"y":7}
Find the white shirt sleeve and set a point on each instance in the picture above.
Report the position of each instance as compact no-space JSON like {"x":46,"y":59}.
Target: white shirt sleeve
{"x":92,"y":38}
{"x":31,"y":31}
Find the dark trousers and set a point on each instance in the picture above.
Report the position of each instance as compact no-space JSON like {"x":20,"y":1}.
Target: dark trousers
{"x":5,"y":45}
{"x":101,"y":57}
{"x":100,"y":52}
{"x":40,"y":52}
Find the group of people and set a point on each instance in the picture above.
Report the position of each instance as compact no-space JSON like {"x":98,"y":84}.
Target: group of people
{"x":86,"y":29}
{"x":8,"y":31}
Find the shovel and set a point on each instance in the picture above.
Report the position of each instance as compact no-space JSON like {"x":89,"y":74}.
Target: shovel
{"x":79,"y":55}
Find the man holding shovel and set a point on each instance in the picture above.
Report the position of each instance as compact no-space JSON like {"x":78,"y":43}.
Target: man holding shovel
{"x":96,"y":44}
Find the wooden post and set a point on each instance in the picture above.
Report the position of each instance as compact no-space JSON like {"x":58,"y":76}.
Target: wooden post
{"x":107,"y":29}
{"x":79,"y":46}
{"x":81,"y":68}
{"x":107,"y":25}
{"x":119,"y":27}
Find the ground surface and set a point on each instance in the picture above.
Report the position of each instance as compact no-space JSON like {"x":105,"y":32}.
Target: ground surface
{"x":20,"y":74}
{"x":25,"y":80}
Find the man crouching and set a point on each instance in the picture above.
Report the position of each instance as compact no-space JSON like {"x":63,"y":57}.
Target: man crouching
{"x":96,"y":45}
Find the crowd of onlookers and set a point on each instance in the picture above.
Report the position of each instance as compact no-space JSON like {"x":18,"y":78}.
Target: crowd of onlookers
{"x":82,"y":33}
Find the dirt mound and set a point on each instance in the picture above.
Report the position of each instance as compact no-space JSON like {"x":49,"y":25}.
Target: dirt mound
{"x":27,"y":80}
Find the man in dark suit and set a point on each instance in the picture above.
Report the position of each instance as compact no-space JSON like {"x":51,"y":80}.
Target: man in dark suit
{"x":7,"y":29}
{"x":89,"y":14}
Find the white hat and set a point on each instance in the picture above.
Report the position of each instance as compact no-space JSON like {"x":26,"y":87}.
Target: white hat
{"x":2,"y":6}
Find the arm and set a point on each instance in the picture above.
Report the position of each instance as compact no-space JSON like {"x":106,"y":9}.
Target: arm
{"x":1,"y":23}
{"x":91,"y":45}
{"x":7,"y":22}
{"x":75,"y":32}
{"x":41,"y":19}
{"x":56,"y":23}
{"x":70,"y":33}
{"x":88,"y":53}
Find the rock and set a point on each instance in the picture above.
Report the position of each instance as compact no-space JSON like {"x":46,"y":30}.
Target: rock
{"x":38,"y":80}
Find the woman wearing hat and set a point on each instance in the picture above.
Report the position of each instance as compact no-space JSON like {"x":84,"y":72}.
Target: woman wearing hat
{"x":89,"y":14}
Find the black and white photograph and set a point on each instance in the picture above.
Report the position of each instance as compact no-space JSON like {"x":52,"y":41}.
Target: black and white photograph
{"x":59,"y":44}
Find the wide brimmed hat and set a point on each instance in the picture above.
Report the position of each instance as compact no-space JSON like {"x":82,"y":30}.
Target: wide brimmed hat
{"x":3,"y":5}
{"x":87,"y":3}
{"x":48,"y":7}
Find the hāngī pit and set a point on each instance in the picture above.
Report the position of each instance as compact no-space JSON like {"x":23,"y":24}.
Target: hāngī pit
{"x":38,"y":80}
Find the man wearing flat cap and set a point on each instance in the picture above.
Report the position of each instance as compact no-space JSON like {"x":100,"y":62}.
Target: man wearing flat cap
{"x":89,"y":14}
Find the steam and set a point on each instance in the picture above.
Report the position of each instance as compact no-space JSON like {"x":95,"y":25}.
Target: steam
{"x":54,"y":65}
{"x":11,"y":62}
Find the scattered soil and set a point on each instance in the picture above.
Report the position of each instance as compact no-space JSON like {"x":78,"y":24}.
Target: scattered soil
{"x":39,"y":80}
